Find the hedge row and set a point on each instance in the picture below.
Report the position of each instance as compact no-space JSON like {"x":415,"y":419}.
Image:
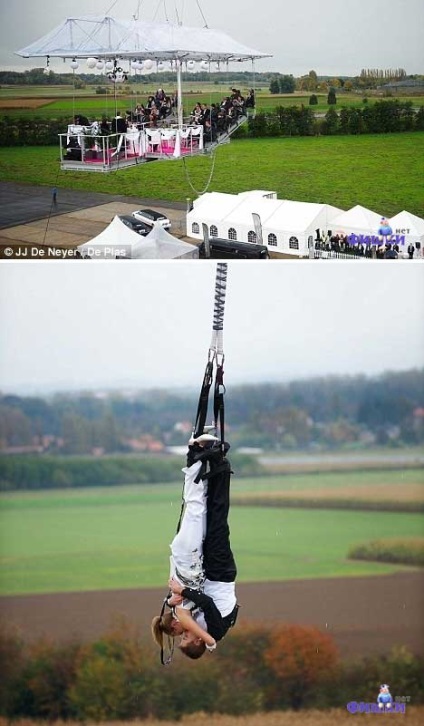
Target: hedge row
{"x":381,"y":117}
{"x":59,"y":472}
{"x":404,"y":551}
{"x":330,"y":503}
{"x":118,"y":677}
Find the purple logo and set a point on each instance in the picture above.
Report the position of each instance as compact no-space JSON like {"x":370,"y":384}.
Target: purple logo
{"x":384,"y":704}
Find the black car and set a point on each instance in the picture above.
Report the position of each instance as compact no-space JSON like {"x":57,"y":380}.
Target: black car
{"x":135,"y":224}
{"x":222,"y":249}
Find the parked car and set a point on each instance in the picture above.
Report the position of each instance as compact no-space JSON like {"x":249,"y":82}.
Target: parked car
{"x":135,"y":224}
{"x":223,"y":249}
{"x":149,"y":216}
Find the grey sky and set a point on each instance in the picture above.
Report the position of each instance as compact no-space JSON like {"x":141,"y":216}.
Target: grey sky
{"x":83,"y":325}
{"x":329,"y":36}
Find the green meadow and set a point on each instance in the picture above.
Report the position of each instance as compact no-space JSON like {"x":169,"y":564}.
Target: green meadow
{"x":112,"y":538}
{"x":60,"y":100}
{"x":382,"y":172}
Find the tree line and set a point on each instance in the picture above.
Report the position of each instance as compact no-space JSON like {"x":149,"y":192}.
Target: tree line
{"x":118,"y":678}
{"x":391,"y":116}
{"x":279,"y":82}
{"x":31,"y":473}
{"x":328,"y":411}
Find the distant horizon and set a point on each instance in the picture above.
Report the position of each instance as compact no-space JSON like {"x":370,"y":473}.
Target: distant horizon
{"x":133,"y":388}
{"x":83,"y":71}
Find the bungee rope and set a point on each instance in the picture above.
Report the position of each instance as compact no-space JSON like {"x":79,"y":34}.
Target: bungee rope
{"x":219,"y":308}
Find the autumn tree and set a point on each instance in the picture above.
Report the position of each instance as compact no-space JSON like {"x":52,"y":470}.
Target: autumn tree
{"x":303,"y":658}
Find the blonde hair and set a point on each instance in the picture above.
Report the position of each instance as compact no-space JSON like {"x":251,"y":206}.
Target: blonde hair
{"x":161,"y":624}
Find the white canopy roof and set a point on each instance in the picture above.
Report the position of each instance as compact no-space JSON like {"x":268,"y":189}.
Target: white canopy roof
{"x":301,"y":217}
{"x":409,"y":225}
{"x":358,"y":220}
{"x":107,"y":37}
{"x":118,"y":240}
{"x":281,"y":214}
{"x":160,"y":245}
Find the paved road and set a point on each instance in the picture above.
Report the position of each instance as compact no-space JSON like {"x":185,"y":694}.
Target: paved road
{"x":24,"y":203}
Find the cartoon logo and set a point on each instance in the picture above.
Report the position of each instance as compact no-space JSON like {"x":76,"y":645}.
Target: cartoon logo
{"x":384,"y":698}
{"x":385,"y":229}
{"x":385,"y":703}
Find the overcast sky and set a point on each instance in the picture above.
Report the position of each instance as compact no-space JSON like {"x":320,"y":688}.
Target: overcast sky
{"x":93,"y":325}
{"x":330,"y":36}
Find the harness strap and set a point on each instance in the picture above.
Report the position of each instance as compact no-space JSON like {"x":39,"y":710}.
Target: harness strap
{"x":218,"y":402}
{"x":202,"y":407}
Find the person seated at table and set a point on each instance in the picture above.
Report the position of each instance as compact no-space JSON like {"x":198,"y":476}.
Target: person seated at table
{"x":165,"y":108}
{"x":80,"y":120}
{"x":153,"y":114}
{"x":73,"y":149}
{"x":140,"y":113}
{"x":104,"y":127}
{"x":159,"y":96}
{"x":197,"y":114}
{"x":250,"y":100}
{"x":119,"y":124}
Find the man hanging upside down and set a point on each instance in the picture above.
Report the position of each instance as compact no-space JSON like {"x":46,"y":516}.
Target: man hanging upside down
{"x":203,"y":600}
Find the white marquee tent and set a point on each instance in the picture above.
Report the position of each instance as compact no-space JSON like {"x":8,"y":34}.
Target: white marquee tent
{"x":288,"y":227}
{"x":118,"y":240}
{"x":409,"y":225}
{"x":358,"y":220}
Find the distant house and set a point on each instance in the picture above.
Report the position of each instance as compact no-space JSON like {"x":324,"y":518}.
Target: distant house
{"x":145,"y":443}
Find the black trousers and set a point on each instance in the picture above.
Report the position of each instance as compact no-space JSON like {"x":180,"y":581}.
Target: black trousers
{"x":218,"y":559}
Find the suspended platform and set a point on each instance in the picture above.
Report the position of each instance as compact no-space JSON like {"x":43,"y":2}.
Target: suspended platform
{"x":82,"y":148}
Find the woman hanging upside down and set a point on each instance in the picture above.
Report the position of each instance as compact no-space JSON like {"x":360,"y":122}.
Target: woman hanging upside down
{"x":203,"y":599}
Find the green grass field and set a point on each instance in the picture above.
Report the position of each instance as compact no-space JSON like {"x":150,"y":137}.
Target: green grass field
{"x":382,"y":172}
{"x":118,"y":538}
{"x":63,"y":100}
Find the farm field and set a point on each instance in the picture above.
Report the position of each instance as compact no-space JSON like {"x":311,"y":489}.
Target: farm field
{"x":395,"y":490}
{"x":54,"y":101}
{"x":103,"y":539}
{"x":382,"y":172}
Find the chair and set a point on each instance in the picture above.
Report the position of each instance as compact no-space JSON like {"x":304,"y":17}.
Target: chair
{"x":185,"y":135}
{"x":197,"y":137}
{"x":154,"y":141}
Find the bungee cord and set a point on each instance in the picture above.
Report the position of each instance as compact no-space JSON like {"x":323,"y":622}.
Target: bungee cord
{"x":217,"y":342}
